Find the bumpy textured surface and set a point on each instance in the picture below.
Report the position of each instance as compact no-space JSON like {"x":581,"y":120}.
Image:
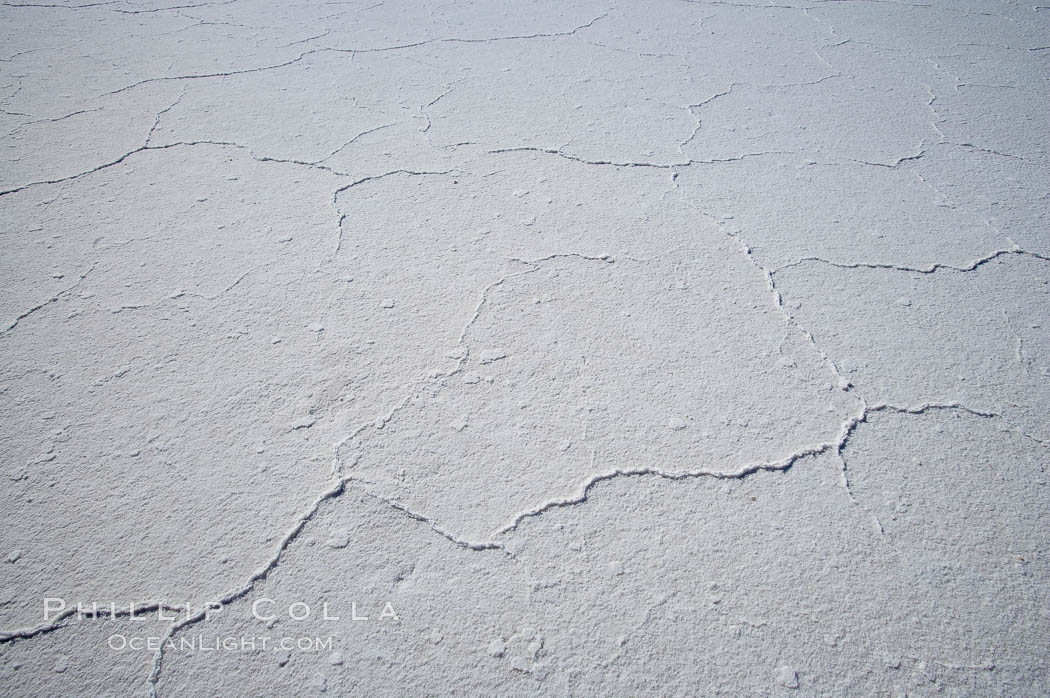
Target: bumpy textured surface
{"x":669,"y":348}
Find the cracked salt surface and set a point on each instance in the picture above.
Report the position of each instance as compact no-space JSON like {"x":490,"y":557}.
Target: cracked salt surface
{"x":687,"y":349}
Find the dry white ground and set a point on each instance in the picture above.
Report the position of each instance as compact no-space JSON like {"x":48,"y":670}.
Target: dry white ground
{"x":616,"y":349}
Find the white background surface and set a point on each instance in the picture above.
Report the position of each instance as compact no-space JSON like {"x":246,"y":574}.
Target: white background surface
{"x":670,"y":348}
